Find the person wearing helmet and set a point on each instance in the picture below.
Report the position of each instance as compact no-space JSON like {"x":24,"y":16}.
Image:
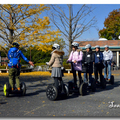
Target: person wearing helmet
{"x":76,"y":65}
{"x":14,"y":55}
{"x":88,"y":60}
{"x":56,"y":62}
{"x":107,"y":57}
{"x":98,"y":63}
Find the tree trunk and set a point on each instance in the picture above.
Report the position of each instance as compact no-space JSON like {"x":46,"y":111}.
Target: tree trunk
{"x":70,"y":29}
{"x":11,"y":31}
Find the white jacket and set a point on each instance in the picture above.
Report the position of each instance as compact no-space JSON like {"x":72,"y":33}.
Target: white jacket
{"x":107,"y":55}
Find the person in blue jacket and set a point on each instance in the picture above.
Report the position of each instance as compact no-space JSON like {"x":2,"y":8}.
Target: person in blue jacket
{"x":14,"y":55}
{"x":98,"y":65}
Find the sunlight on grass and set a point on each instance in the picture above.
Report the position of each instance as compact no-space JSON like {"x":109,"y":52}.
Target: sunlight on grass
{"x":36,"y":73}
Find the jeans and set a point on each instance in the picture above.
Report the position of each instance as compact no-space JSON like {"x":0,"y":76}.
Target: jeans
{"x":86,"y":77}
{"x":107,"y":66}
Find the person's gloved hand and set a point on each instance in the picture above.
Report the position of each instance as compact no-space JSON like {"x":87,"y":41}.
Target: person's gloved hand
{"x":47,"y":63}
{"x":68,"y":61}
{"x":62,"y":68}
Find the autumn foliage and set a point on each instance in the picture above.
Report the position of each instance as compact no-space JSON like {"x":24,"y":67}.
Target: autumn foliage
{"x":24,"y":23}
{"x":111,"y":29}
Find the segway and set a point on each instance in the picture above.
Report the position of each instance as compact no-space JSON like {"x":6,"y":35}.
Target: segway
{"x":73,"y":88}
{"x":7,"y":89}
{"x":84,"y":87}
{"x":111,"y":81}
{"x":52,"y":93}
{"x":101,"y":83}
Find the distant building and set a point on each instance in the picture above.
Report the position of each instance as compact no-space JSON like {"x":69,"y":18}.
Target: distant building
{"x":114,"y":46}
{"x":4,"y":61}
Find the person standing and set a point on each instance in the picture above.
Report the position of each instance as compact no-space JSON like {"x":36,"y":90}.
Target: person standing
{"x":14,"y":55}
{"x":98,"y":63}
{"x":75,"y":58}
{"x":88,"y":60}
{"x":56,"y":62}
{"x":107,"y":57}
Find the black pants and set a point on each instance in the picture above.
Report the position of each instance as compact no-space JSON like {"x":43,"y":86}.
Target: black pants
{"x":58,"y":80}
{"x":75,"y":76}
{"x":98,"y":69}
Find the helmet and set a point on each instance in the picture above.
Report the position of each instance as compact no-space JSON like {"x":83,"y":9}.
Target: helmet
{"x":75,"y":44}
{"x":106,"y":46}
{"x":97,"y":46}
{"x":88,"y":46}
{"x":15,"y":44}
{"x":56,"y":46}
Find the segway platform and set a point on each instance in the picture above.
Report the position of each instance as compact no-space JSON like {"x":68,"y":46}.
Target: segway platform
{"x":7,"y":89}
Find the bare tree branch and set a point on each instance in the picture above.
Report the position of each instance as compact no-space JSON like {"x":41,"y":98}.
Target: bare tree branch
{"x":70,"y":24}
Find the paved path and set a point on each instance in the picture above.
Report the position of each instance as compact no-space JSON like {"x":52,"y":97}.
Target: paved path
{"x":36,"y":104}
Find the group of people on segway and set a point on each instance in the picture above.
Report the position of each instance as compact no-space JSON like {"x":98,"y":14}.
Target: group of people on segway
{"x":81,"y":62}
{"x":87,"y":63}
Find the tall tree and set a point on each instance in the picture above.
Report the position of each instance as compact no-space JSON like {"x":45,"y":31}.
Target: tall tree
{"x":24,"y":24}
{"x":74,"y":24}
{"x":111,"y":30}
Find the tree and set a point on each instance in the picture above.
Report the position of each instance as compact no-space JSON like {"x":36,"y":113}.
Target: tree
{"x":111,"y":30}
{"x":72,"y":26}
{"x":37,"y":56}
{"x":22,"y":23}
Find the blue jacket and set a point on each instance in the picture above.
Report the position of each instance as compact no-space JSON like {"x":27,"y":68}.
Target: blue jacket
{"x":98,"y":57}
{"x":16,"y":59}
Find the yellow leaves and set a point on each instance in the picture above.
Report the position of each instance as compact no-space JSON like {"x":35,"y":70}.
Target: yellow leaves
{"x":88,"y":111}
{"x":107,"y":113}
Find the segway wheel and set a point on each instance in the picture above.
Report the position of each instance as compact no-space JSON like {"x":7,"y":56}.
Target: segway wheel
{"x":51,"y":92}
{"x":103,"y":83}
{"x":112,"y":80}
{"x":23,"y":88}
{"x":6,"y":89}
{"x":66,"y":90}
{"x":93,"y":85}
{"x":83,"y":89}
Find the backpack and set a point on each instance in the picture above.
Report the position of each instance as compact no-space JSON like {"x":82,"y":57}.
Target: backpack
{"x":14,"y":59}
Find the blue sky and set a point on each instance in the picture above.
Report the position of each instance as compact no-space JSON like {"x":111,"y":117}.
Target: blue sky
{"x":101,"y":12}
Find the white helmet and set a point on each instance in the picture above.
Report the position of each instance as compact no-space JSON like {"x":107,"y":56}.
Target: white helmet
{"x":75,"y":44}
{"x":88,"y":46}
{"x":106,"y":46}
{"x":56,"y":46}
{"x":97,"y":46}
